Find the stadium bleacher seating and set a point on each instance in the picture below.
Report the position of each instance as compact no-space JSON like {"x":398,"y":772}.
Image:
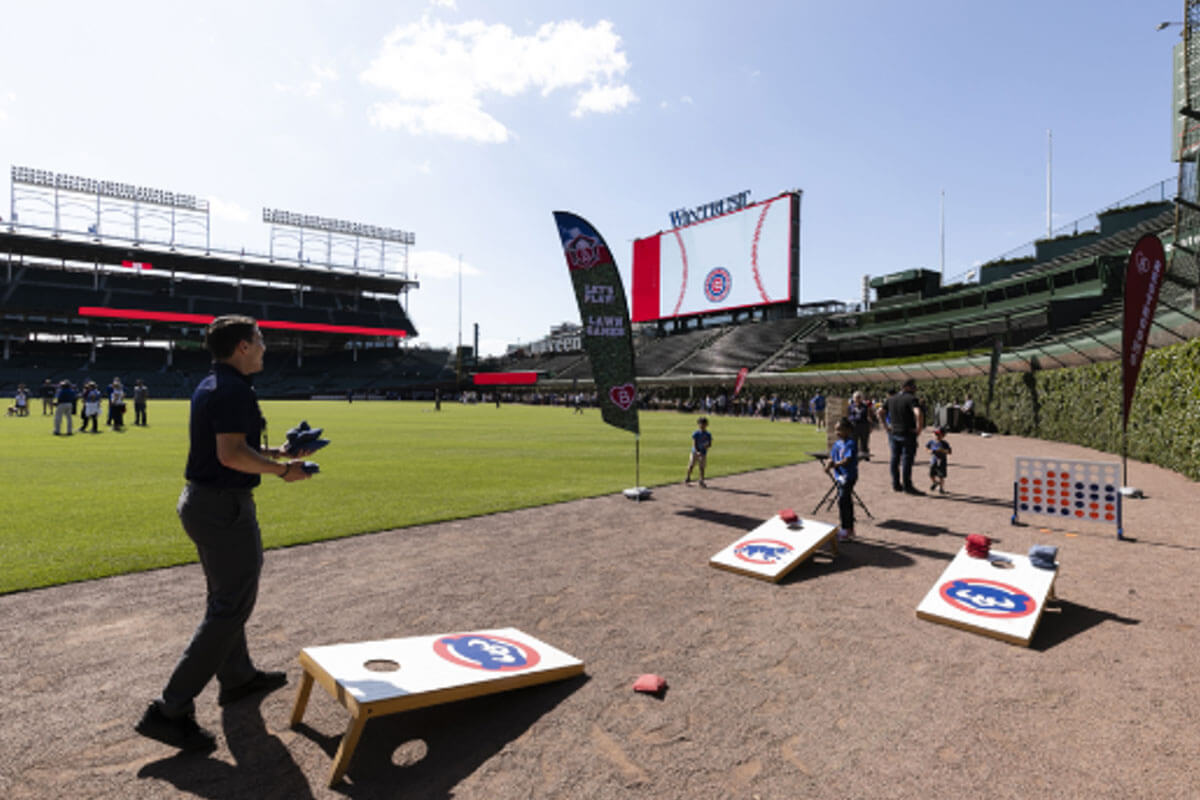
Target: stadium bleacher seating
{"x":745,"y":345}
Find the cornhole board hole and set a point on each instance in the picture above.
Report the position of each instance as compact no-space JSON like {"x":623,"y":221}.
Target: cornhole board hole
{"x":775,"y":548}
{"x":373,"y":679}
{"x":1069,"y":489}
{"x":1002,"y":596}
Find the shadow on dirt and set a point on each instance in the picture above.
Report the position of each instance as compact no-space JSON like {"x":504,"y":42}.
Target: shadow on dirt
{"x":420,"y":753}
{"x":853,"y":554}
{"x":1070,"y":619}
{"x":973,"y":498}
{"x":739,"y":521}
{"x":428,"y":751}
{"x":729,"y":490}
{"x":263,"y":768}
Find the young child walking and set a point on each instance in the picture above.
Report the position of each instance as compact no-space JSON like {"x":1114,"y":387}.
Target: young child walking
{"x":939,"y":458}
{"x":701,"y":441}
{"x":843,"y":465}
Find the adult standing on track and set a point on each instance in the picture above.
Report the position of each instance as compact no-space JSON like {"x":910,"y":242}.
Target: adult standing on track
{"x":225,"y":462}
{"x":905,"y":422}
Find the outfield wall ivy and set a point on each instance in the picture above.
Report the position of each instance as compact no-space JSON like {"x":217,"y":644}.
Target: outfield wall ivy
{"x":1080,"y":405}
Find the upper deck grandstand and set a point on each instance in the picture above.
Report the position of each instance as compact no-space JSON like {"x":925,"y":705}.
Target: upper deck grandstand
{"x":77,"y":302}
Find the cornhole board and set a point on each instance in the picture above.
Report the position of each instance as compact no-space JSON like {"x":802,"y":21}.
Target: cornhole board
{"x":1002,"y":596}
{"x":775,"y":548}
{"x":373,"y":679}
{"x":1070,"y":489}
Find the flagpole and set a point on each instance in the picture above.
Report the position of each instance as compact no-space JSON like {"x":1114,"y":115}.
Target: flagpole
{"x":637,"y":463}
{"x":1124,"y":414}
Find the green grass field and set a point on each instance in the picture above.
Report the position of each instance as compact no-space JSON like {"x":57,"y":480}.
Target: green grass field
{"x":92,"y":505}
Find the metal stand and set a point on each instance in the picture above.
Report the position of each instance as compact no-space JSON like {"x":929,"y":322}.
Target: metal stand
{"x":830,"y":496}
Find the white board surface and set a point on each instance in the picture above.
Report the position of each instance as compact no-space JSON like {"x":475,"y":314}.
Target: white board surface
{"x":1069,"y":489}
{"x":1002,"y":596}
{"x":436,"y":663}
{"x":774,"y":548}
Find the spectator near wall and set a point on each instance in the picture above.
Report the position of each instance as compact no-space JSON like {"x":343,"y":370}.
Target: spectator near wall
{"x":47,"y":392}
{"x":818,"y":409}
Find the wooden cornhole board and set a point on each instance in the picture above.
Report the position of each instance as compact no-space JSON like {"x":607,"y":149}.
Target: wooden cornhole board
{"x":775,"y":548}
{"x":373,"y":679}
{"x":986,"y":596}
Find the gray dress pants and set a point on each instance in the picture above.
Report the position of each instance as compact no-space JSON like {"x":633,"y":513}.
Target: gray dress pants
{"x":223,"y":524}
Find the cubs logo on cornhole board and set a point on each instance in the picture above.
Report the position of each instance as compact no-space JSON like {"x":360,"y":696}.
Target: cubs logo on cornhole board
{"x":372,"y":679}
{"x":1068,"y":489}
{"x":1001,"y":596}
{"x":775,"y":548}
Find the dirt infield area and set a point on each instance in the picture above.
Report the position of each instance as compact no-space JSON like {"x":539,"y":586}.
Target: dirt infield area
{"x":825,"y":686}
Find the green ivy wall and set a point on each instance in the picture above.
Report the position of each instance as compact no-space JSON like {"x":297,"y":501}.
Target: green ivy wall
{"x":1080,"y":405}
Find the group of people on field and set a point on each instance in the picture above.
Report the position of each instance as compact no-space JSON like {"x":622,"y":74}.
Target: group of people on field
{"x":901,"y":416}
{"x":64,"y":400}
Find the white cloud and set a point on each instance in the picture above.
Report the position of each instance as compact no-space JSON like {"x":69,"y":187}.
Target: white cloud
{"x":439,"y":74}
{"x":463,"y":120}
{"x":7,"y":99}
{"x":227,"y":211}
{"x":450,"y":4}
{"x":320,"y":75}
{"x":437,"y":266}
{"x":687,"y":99}
{"x":604,"y":99}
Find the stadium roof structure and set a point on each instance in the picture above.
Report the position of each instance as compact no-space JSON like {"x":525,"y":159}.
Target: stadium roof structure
{"x":82,"y":249}
{"x":58,"y":284}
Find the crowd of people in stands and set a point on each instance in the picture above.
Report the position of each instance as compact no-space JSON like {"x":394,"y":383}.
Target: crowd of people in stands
{"x":64,"y":400}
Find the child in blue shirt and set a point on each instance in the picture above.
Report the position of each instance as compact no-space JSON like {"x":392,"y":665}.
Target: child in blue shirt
{"x":701,"y":441}
{"x":939,"y":452}
{"x":843,"y":465}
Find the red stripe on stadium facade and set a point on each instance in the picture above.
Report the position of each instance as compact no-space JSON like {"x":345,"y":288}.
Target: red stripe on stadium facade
{"x":266,"y":324}
{"x":505,"y":378}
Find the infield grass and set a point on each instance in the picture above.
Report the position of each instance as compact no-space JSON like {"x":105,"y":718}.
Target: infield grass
{"x":91,"y":505}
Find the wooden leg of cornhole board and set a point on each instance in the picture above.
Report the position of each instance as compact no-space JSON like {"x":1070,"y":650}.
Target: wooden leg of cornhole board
{"x":306,"y":682}
{"x":341,"y":761}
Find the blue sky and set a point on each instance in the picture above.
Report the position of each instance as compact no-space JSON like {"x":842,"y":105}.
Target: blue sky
{"x":468,"y":123}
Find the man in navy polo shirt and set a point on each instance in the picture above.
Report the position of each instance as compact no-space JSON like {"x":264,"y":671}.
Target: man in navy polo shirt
{"x":225,"y":462}
{"x":905,"y":422}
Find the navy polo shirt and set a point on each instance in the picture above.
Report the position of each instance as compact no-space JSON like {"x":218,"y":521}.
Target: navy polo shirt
{"x":224,"y":402}
{"x":902,"y":415}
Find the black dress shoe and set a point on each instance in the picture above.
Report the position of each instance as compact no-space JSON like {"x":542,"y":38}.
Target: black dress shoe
{"x":181,"y":732}
{"x":913,"y":490}
{"x":261,"y":683}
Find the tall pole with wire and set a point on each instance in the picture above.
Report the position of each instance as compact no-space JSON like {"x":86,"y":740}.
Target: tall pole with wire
{"x":1049,"y":182}
{"x":458,"y":352}
{"x":942,"y":236}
